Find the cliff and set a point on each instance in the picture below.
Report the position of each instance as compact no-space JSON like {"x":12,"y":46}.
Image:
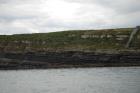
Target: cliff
{"x":83,"y":48}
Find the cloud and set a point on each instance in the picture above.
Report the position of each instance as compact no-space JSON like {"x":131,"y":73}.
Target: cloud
{"x":34,"y":16}
{"x":119,"y":5}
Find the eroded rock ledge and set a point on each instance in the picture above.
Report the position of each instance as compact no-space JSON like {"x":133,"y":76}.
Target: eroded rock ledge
{"x":67,"y":59}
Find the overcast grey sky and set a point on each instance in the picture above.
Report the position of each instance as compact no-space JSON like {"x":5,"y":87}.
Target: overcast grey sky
{"x":34,"y":16}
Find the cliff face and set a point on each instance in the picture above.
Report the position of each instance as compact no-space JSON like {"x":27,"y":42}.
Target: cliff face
{"x":86,"y":48}
{"x":67,"y":59}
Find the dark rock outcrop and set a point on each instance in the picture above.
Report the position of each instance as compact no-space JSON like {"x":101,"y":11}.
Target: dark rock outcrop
{"x":66,"y":59}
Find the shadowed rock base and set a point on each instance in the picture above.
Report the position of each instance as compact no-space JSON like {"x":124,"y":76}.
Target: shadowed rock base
{"x":66,"y":60}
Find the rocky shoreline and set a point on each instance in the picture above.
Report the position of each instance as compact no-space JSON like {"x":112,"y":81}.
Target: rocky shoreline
{"x":67,"y":60}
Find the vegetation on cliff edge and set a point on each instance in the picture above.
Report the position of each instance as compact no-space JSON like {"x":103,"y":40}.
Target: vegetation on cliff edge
{"x":80,"y":40}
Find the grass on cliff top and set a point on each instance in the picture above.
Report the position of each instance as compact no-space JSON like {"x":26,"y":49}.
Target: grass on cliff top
{"x":67,"y":40}
{"x":63,"y":34}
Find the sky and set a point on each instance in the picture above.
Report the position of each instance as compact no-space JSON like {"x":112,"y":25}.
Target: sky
{"x":42,"y":16}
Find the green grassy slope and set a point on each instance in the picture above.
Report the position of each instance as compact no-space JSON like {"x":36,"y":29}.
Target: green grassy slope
{"x":82,"y":40}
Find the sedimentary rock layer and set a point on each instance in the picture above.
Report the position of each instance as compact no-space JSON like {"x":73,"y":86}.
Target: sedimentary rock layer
{"x":66,"y":59}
